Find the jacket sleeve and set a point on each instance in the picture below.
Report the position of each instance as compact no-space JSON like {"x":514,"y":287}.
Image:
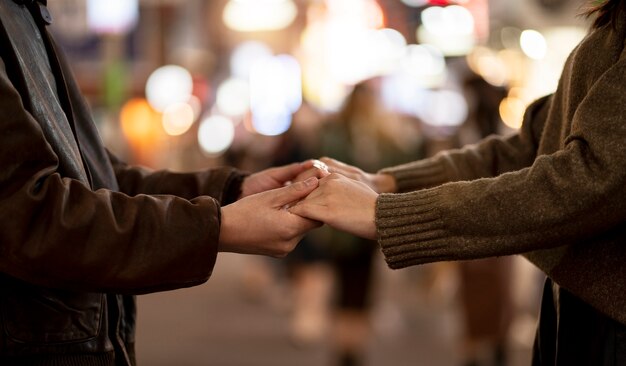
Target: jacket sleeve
{"x":489,"y":158}
{"x":563,"y":198}
{"x":57,"y":232}
{"x":223,"y":184}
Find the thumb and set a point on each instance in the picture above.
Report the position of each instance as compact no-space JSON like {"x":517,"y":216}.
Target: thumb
{"x":295,"y":191}
{"x":287,"y":172}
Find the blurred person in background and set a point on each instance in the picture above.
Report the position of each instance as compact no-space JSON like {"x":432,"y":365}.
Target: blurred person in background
{"x":553,"y":191}
{"x":306,"y":269}
{"x":364,"y":133}
{"x":81,"y":232}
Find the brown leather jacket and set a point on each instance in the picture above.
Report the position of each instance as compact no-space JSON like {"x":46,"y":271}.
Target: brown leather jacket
{"x":80,"y":231}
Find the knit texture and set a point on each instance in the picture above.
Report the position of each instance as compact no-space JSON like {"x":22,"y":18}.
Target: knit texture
{"x":554,"y":191}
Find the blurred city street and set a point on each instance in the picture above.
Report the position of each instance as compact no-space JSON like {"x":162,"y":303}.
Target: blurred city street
{"x":196,"y":86}
{"x":219,"y":324}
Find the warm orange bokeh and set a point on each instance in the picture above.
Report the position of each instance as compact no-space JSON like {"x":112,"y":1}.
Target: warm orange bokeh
{"x":142,"y":127}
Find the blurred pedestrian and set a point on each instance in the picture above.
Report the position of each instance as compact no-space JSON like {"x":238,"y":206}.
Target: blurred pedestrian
{"x":367,"y":134}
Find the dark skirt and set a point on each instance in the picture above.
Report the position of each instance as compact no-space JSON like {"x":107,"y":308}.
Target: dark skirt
{"x":571,"y":332}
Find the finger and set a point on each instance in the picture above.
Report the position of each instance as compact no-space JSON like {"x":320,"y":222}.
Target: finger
{"x":307,"y":164}
{"x":329,"y":162}
{"x":313,"y":172}
{"x":314,"y":163}
{"x":320,"y":165}
{"x":336,"y":166}
{"x":331,"y":177}
{"x":332,"y":162}
{"x":294,"y":192}
{"x":287,"y":172}
{"x":303,"y":225}
{"x":308,"y":210}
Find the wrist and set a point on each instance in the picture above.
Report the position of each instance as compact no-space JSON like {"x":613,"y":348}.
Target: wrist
{"x":225,"y":243}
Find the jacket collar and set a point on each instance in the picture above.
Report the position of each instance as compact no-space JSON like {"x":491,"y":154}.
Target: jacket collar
{"x":28,"y":2}
{"x":39,"y":10}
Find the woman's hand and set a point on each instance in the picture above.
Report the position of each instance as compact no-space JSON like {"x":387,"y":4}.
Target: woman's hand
{"x":260,"y":224}
{"x":343,"y":203}
{"x":381,"y":183}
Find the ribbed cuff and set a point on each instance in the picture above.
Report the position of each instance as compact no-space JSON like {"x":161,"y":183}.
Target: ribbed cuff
{"x":418,"y":175}
{"x":410,"y":228}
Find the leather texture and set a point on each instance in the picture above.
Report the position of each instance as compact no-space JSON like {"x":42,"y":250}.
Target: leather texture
{"x":81,"y":232}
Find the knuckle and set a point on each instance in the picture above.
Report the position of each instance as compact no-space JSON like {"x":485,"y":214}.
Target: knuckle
{"x":286,"y":234}
{"x":284,"y":248}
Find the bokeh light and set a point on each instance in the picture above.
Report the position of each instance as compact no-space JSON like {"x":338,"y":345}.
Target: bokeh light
{"x":271,"y":120}
{"x":246,"y":55}
{"x":451,"y":29}
{"x":275,"y":93}
{"x":512,"y":112}
{"x":533,"y":44}
{"x":341,"y":46}
{"x":401,"y":92}
{"x":487,"y":63}
{"x":140,"y":123}
{"x":452,"y":19}
{"x":233,"y":97}
{"x":290,"y":81}
{"x":168,"y":85}
{"x":259,"y":15}
{"x":215,"y":134}
{"x":112,"y":16}
{"x":386,"y":49}
{"x":443,"y":108}
{"x":426,"y":64}
{"x":365,"y":14}
{"x":355,"y":54}
{"x":178,"y":118}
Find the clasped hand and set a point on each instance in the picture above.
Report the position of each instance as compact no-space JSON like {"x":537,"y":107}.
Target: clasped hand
{"x":278,"y":206}
{"x":345,"y":199}
{"x":258,"y":222}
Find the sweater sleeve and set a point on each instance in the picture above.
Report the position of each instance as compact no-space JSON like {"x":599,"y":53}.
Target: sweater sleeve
{"x":562,"y":198}
{"x":491,"y":157}
{"x":57,"y":232}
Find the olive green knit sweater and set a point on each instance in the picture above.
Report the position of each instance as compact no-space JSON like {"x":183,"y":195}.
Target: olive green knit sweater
{"x":555,"y":191}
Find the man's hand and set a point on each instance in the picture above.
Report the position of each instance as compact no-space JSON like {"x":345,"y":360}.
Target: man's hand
{"x":381,"y":183}
{"x":277,"y":177}
{"x":342,"y":203}
{"x":318,"y":169}
{"x":260,"y":224}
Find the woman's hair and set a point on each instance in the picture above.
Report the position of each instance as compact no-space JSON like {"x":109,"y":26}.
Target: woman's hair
{"x":606,"y":11}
